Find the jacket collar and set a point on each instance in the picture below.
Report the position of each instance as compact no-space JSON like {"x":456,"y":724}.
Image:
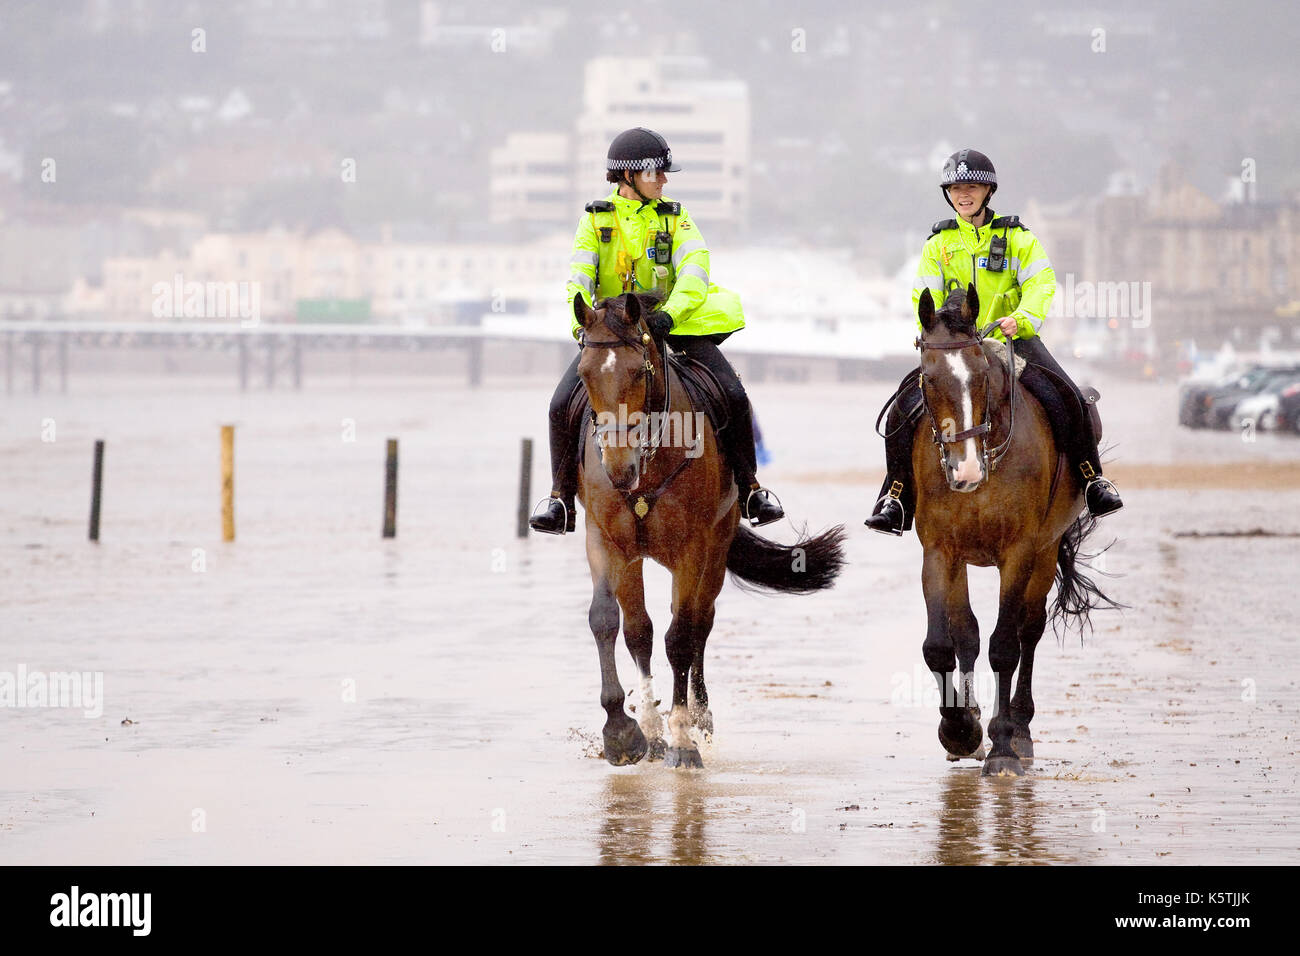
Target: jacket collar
{"x":968,"y":233}
{"x":622,"y":203}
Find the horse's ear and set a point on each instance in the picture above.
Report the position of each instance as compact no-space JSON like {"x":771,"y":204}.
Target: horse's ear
{"x":631,"y":309}
{"x":925,"y":310}
{"x":970,"y":308}
{"x":583,"y":312}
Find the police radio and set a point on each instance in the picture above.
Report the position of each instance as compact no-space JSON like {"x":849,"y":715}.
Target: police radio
{"x":663,"y":248}
{"x":997,"y":253}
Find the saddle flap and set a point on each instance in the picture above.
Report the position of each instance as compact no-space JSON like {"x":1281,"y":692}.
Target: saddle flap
{"x":702,"y":388}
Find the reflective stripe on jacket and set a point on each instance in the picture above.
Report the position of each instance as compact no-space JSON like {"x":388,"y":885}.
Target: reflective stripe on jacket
{"x":1022,"y":288}
{"x":697,"y":306}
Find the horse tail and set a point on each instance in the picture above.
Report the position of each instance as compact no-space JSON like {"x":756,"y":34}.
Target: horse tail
{"x":1077,"y":594}
{"x":812,"y":564}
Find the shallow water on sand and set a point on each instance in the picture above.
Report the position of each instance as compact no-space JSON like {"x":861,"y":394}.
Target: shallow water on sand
{"x":317,"y":694}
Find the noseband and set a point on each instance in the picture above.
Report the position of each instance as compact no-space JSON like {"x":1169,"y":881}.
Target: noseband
{"x":989,"y":459}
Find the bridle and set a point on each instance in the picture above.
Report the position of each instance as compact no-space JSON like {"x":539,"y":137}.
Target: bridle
{"x":645,"y":450}
{"x":989,"y":458}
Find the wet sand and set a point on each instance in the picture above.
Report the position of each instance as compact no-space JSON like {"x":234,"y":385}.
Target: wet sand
{"x":1166,"y":736}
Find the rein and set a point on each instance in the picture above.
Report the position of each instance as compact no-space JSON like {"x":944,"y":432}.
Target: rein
{"x":990,"y":457}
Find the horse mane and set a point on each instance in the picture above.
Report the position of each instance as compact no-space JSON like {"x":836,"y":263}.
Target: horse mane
{"x":649,"y":301}
{"x":950,"y":313}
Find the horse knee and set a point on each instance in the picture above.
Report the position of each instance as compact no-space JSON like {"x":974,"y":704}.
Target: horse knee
{"x":679,"y":644}
{"x":603,"y":618}
{"x":1004,"y":651}
{"x":940,"y":656}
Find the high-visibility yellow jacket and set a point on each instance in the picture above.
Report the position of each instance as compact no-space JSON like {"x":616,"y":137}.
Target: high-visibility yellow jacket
{"x":1022,"y":288}
{"x":613,"y":239}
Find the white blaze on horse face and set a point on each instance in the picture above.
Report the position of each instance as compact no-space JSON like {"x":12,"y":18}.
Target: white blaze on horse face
{"x":969,"y":468}
{"x":608,"y":365}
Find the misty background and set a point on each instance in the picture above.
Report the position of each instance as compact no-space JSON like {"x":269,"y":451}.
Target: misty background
{"x":132,"y":131}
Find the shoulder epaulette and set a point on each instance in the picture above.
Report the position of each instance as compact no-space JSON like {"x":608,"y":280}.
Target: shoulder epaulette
{"x":1008,"y":222}
{"x":941,"y":225}
{"x":666,"y":208}
{"x":600,"y":205}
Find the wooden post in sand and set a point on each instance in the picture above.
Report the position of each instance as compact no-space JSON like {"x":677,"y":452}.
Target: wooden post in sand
{"x":96,"y":482}
{"x":525,"y":486}
{"x":390,"y":490}
{"x":227,"y":482}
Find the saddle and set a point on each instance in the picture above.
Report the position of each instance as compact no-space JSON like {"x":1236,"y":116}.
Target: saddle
{"x":702,"y":388}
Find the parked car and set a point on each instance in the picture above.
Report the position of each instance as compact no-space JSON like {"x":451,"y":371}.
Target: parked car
{"x":1193,"y":395}
{"x":1220,"y":403}
{"x":1288,"y":409}
{"x":1261,"y":409}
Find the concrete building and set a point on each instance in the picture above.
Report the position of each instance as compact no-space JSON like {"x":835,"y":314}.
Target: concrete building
{"x":706,"y":121}
{"x":531,"y":181}
{"x":1217,"y":271}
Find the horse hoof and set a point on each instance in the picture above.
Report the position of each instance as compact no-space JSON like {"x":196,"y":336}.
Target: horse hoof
{"x":960,"y":738}
{"x":977,"y":755}
{"x":1023,"y":745}
{"x":1002,"y":766}
{"x":683,"y":758}
{"x":626,"y":745}
{"x":658,"y":746}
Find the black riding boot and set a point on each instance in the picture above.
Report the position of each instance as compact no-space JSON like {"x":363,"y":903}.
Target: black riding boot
{"x":757,"y":505}
{"x":1071,"y":424}
{"x":557,"y":514}
{"x":893,"y":512}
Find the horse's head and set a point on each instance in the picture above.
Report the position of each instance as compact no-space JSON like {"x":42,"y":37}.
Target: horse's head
{"x":955,"y":386}
{"x":617,"y":366}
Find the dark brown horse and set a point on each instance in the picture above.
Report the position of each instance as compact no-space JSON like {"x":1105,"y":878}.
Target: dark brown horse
{"x":990,"y":491}
{"x":655,"y":486}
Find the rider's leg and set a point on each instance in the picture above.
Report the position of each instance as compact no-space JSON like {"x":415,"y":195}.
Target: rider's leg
{"x":1074,"y":431}
{"x":557,"y":515}
{"x":897,"y":503}
{"x":756,"y":503}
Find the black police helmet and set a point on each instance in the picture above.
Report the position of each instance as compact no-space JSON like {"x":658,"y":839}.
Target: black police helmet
{"x":640,"y":148}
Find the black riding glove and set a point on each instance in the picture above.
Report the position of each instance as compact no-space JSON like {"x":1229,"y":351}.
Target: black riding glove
{"x":660,"y":323}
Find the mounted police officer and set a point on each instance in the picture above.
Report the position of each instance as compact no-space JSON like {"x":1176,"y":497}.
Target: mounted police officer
{"x":634,"y":240}
{"x":1015,"y":284}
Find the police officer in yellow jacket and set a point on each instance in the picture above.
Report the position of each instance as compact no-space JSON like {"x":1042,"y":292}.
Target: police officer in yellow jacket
{"x":634,"y":240}
{"x":1015,"y":283}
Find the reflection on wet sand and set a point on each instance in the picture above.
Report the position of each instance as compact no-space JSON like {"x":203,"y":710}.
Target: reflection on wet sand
{"x":638,"y":816}
{"x":993,"y":820}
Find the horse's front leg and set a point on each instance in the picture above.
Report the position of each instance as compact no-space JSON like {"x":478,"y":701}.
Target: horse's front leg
{"x":965,"y":633}
{"x":1022,"y":704}
{"x":943,"y":579}
{"x":624,"y":741}
{"x":1004,"y":654}
{"x":638,"y":633}
{"x":697,"y":579}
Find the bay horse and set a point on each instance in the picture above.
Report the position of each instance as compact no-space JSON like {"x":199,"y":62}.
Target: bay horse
{"x":650,"y":494}
{"x":1012,"y":505}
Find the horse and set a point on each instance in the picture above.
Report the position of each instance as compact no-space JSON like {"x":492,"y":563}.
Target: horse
{"x":1013,"y":505}
{"x":650,"y":491}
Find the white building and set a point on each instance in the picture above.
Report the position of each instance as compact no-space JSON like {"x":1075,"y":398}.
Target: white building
{"x":705,"y":120}
{"x":532,"y":180}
